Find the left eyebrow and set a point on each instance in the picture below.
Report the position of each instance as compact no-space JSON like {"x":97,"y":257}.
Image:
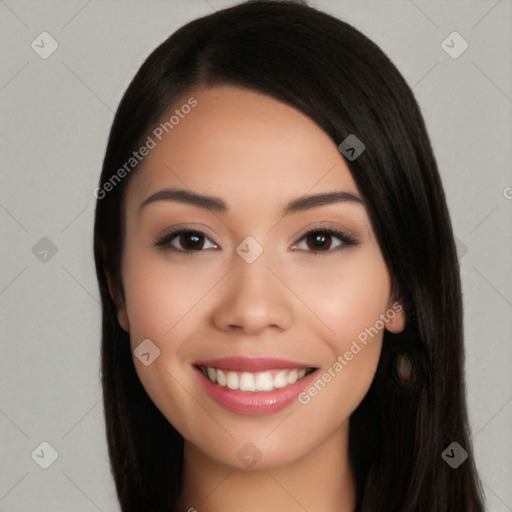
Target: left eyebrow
{"x":307,"y":202}
{"x":216,"y":203}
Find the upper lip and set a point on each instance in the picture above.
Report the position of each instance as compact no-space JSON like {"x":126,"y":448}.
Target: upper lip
{"x":250,"y":364}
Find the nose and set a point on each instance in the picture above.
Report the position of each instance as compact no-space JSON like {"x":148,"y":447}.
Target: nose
{"x":253,"y":298}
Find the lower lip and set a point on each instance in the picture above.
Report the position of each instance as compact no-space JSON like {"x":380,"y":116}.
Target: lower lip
{"x":255,"y":402}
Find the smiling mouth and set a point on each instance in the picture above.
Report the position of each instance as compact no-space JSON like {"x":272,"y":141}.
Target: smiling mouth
{"x":268,"y":380}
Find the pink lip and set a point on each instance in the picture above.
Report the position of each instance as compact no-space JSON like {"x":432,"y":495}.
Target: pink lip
{"x":256,"y":402}
{"x":248,"y":364}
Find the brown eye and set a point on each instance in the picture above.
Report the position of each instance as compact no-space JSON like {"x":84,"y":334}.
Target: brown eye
{"x":318,"y":240}
{"x":186,"y":241}
{"x":324,"y":240}
{"x":191,"y":241}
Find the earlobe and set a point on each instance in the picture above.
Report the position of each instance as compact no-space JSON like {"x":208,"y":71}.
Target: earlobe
{"x":122,"y":316}
{"x":395,"y":317}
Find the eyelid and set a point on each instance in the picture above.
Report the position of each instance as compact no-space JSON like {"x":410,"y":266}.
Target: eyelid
{"x":329,"y":226}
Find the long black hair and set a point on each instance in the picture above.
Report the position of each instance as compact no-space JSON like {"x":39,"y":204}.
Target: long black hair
{"x":343,"y":81}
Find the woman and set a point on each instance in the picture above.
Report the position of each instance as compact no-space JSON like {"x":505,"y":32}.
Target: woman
{"x":282,"y":320}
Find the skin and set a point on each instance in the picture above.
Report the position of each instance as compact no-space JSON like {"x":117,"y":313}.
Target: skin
{"x":294,"y":301}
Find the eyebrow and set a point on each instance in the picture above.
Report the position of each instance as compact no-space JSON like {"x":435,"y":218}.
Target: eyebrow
{"x":217,"y":204}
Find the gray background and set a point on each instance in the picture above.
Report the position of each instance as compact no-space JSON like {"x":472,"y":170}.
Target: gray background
{"x":56,"y":114}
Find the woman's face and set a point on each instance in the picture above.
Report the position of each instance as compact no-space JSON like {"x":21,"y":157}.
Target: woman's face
{"x":259,"y":293}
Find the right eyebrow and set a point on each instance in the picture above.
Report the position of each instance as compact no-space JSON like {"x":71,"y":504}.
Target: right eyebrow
{"x":185,"y":196}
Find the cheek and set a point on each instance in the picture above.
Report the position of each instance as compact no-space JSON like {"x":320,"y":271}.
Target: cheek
{"x":161,"y":296}
{"x":346,"y":296}
{"x":160,"y":299}
{"x":349,"y":300}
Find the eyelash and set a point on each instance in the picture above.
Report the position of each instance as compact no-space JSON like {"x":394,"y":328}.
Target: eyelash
{"x":165,"y":240}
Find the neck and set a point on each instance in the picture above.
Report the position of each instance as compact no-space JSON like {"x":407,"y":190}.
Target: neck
{"x":321,"y":480}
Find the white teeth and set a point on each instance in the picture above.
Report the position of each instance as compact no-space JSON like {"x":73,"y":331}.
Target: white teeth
{"x":221,"y":378}
{"x":264,"y":382}
{"x":212,"y":373}
{"x":259,"y":381}
{"x":292,"y":377}
{"x":280,"y":379}
{"x":232,"y":380}
{"x":247,"y":382}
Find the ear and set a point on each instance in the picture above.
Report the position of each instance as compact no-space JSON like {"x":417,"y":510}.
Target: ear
{"x":118,"y":300}
{"x":395,"y":316}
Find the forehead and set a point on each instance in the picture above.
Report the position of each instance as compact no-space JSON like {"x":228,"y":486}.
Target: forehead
{"x":245,"y":146}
